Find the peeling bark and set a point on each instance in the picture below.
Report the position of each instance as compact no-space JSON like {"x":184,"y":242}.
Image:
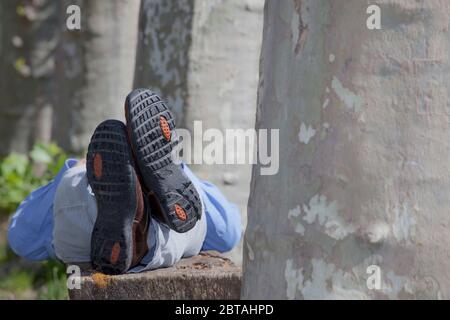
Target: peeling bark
{"x":222,"y":85}
{"x":363,"y":118}
{"x":302,"y":27}
{"x":202,"y":56}
{"x":165,"y":32}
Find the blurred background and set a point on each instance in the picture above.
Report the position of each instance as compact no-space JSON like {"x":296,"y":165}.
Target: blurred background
{"x":57,"y":84}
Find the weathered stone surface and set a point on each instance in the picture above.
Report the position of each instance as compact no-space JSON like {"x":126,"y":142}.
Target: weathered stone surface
{"x":206,"y":276}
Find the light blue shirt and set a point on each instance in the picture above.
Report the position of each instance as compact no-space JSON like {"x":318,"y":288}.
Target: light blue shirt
{"x":30,"y":233}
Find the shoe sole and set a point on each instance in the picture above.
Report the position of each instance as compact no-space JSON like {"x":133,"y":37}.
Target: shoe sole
{"x":112,"y":178}
{"x":151,"y":127}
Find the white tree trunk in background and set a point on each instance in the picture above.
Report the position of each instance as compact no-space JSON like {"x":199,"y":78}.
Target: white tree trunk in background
{"x":222,"y":86}
{"x":29,"y":35}
{"x":58,"y":83}
{"x":203,"y":57}
{"x":165,"y":31}
{"x":364,"y":169}
{"x":95,"y":68}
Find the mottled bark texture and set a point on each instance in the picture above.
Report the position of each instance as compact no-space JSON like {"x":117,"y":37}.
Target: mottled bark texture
{"x":202,"y":56}
{"x":364,"y":173}
{"x":95,"y":68}
{"x":165,"y":31}
{"x":29,"y":36}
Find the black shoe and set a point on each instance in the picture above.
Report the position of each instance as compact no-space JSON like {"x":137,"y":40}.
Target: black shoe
{"x":119,"y":237}
{"x":150,"y":125}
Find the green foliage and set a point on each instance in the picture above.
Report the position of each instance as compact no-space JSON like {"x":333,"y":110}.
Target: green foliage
{"x":53,"y":280}
{"x":21,"y":174}
{"x":5,"y":252}
{"x":48,"y":282}
{"x":17,"y":281}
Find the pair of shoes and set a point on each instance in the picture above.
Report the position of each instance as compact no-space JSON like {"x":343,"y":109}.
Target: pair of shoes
{"x":132,"y":175}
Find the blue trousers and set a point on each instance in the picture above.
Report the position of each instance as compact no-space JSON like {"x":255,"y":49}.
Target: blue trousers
{"x":31,"y":231}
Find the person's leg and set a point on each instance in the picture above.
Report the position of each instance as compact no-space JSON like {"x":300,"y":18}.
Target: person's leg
{"x":31,"y":226}
{"x":150,"y":124}
{"x":223,"y":220}
{"x":60,"y":217}
{"x":119,"y":237}
{"x":96,"y":207}
{"x":75,"y":215}
{"x":167,"y":246}
{"x":219,"y":229}
{"x":178,"y":193}
{"x":181,"y":198}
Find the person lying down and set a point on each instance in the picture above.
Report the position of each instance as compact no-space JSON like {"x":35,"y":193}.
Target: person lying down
{"x":127,"y":207}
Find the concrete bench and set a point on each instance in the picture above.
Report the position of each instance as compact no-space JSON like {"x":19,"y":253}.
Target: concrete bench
{"x":206,"y":276}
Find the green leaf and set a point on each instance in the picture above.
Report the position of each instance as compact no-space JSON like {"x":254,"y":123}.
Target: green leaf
{"x":40,"y":155}
{"x":14,"y":163}
{"x":17,"y":174}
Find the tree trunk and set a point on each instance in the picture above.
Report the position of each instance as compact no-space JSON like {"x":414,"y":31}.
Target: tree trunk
{"x":95,"y":68}
{"x":73,"y":79}
{"x":203,"y":57}
{"x":363,"y":177}
{"x":29,"y":37}
{"x":165,"y":31}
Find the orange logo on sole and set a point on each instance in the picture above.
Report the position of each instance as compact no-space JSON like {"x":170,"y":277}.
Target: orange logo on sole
{"x":181,"y":214}
{"x":165,"y":128}
{"x":98,"y":165}
{"x":115,"y":252}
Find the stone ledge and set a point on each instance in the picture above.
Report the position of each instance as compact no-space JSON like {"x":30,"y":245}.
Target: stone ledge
{"x":206,"y":276}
